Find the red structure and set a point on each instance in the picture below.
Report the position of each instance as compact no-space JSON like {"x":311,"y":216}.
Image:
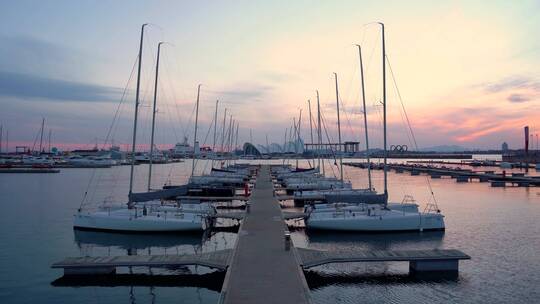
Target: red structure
{"x":526,"y":139}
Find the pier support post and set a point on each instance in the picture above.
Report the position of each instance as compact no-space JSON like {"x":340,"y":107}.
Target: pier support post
{"x":462,"y":179}
{"x":498,"y":184}
{"x":434,"y":266}
{"x":287,"y":241}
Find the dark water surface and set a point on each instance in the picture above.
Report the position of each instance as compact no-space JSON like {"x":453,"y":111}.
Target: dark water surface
{"x":498,"y":227}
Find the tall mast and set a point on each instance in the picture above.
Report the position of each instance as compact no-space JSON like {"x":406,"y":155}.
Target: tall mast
{"x":365,"y":114}
{"x":41,"y":137}
{"x":298,"y":138}
{"x":154,"y":110}
{"x":319,"y":132}
{"x":50,"y":140}
{"x":130,"y":203}
{"x":295,"y":138}
{"x":215,"y":126}
{"x":215,"y":134}
{"x":285,"y":139}
{"x":1,"y":133}
{"x":236,"y":138}
{"x":384,"y":115}
{"x":310,"y":126}
{"x":228,"y":142}
{"x":223,"y":131}
{"x":339,"y":130}
{"x":284,"y":144}
{"x":195,"y":135}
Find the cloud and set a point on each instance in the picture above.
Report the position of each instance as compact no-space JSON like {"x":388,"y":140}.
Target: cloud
{"x":28,"y":55}
{"x":517,"y":98}
{"x":511,"y":83}
{"x":240,"y":93}
{"x":35,"y":87}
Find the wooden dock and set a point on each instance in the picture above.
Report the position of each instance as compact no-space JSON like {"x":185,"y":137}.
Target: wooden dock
{"x":461,"y":175}
{"x":264,"y":266}
{"x":432,"y":260}
{"x":214,"y":198}
{"x":261,"y":269}
{"x":29,"y":170}
{"x":108,"y":264}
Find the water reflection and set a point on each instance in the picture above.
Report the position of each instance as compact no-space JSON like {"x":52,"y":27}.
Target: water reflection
{"x":211,"y":281}
{"x":144,"y":283}
{"x":368,"y":272}
{"x":135,"y":240}
{"x":92,"y":242}
{"x":109,"y":243}
{"x":358,"y":241}
{"x":317,"y":279}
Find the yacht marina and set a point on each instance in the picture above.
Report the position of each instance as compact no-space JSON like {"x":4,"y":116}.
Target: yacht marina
{"x":169,"y":157}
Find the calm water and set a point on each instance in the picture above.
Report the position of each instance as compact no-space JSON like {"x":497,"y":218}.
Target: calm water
{"x":498,"y":227}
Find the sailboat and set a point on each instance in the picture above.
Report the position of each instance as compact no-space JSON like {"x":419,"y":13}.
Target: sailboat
{"x":372,"y":212}
{"x":329,"y":185}
{"x":147,"y":211}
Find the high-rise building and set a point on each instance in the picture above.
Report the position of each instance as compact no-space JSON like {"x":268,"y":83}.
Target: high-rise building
{"x":504,"y":147}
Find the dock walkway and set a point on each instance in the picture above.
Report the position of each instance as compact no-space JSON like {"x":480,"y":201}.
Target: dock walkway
{"x":108,"y":264}
{"x":312,"y":258}
{"x":261,"y":270}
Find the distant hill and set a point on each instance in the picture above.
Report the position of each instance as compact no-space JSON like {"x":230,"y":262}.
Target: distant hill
{"x":445,"y":148}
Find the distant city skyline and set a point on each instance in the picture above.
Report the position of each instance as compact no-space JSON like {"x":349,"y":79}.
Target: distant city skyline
{"x":467,"y":71}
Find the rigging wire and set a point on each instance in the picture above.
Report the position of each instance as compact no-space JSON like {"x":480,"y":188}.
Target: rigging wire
{"x":409,"y":126}
{"x":116,"y":114}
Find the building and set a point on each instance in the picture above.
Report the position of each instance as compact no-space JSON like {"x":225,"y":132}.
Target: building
{"x":504,"y":147}
{"x":250,"y":149}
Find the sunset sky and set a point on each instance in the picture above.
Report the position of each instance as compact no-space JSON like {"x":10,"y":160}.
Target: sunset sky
{"x":467,"y":71}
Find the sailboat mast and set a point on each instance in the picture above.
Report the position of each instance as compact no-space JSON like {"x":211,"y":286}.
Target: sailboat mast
{"x":228,"y":142}
{"x":284,"y":144}
{"x":154,"y":110}
{"x":299,"y":137}
{"x":365,"y":114}
{"x":236,"y":138}
{"x":50,"y":131}
{"x":295,"y":138}
{"x":319,"y":132}
{"x":195,"y":135}
{"x":130,"y":203}
{"x":215,"y":132}
{"x":223,"y":131}
{"x":339,"y":130}
{"x":41,"y":137}
{"x":1,"y":133}
{"x":384,"y":115}
{"x":321,"y":160}
{"x":310,"y":126}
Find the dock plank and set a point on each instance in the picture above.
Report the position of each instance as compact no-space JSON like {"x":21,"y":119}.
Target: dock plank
{"x":217,"y":259}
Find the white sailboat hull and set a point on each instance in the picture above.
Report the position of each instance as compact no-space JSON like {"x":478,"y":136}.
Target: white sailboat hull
{"x":125,"y":220}
{"x":334,"y":207}
{"x":387,"y":221}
